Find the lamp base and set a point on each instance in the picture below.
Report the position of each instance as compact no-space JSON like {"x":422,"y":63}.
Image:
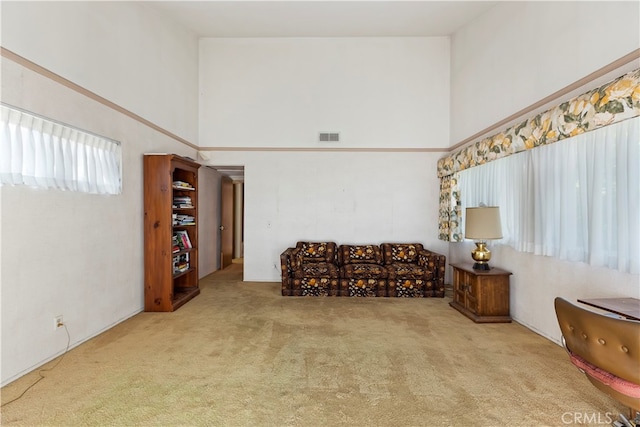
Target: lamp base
{"x":483,"y":266}
{"x":481,"y":255}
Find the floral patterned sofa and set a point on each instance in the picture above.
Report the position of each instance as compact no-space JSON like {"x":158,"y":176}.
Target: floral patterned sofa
{"x":387,"y":270}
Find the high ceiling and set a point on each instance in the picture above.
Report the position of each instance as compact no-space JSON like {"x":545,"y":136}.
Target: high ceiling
{"x":333,"y":18}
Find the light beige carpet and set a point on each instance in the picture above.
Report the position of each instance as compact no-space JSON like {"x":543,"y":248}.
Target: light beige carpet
{"x":240,"y":354}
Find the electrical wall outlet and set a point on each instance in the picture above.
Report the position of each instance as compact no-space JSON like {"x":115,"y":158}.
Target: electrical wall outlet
{"x":58,"y":322}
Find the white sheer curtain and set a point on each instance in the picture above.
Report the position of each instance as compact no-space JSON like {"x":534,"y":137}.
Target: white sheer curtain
{"x":42,"y":153}
{"x":577,"y":199}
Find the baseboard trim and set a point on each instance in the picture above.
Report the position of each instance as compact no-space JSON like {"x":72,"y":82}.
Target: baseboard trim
{"x":61,"y":352}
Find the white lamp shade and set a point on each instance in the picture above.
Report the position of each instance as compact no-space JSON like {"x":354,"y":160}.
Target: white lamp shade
{"x":482,"y":223}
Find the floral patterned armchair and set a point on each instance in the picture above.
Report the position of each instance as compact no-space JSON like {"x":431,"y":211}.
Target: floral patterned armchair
{"x":310,"y":269}
{"x":362,"y":272}
{"x":413,"y":271}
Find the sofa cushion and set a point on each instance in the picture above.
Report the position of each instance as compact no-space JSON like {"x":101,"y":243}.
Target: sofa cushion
{"x":365,"y":271}
{"x":360,"y":254}
{"x":317,"y":269}
{"x":363,"y":288}
{"x":408,"y":271}
{"x":313,"y":286}
{"x":315,"y":252}
{"x":406,"y":288}
{"x":401,"y":252}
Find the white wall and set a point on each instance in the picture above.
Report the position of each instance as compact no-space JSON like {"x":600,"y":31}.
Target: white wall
{"x":341,"y":197}
{"x":277,"y":94}
{"x":73,"y":254}
{"x":124,"y":51}
{"x":280,"y":92}
{"x":521,"y":52}
{"x":67,"y":253}
{"x":510,"y":58}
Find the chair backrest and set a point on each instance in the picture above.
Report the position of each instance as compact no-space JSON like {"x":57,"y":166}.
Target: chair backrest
{"x":360,"y":254}
{"x":316,"y":251}
{"x":611,"y":344}
{"x":401,"y":252}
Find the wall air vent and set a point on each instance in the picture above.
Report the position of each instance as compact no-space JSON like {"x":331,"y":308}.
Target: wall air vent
{"x":329,"y":137}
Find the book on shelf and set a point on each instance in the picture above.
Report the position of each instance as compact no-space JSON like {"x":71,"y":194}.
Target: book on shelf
{"x":181,"y":263}
{"x":178,"y":242}
{"x":182,"y":202}
{"x":183,"y":239}
{"x":183,"y":220}
{"x":175,"y":244}
{"x":182,"y":185}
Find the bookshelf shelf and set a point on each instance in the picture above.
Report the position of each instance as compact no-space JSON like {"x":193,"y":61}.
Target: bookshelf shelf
{"x":182,"y":273}
{"x":170,"y":231}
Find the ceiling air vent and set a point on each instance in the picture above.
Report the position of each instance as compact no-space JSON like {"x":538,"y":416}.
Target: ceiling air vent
{"x":329,"y":137}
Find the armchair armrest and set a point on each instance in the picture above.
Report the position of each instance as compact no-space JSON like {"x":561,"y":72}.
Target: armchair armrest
{"x":295,"y":259}
{"x":286,"y":271}
{"x":436,"y":263}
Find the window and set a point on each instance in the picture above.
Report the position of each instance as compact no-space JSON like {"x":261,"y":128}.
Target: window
{"x":42,"y":153}
{"x":577,"y":199}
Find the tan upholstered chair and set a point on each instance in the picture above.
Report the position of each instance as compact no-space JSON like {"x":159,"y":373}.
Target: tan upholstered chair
{"x":605,"y":348}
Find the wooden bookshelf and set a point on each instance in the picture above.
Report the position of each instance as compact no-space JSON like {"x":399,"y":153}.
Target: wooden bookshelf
{"x":170,"y":231}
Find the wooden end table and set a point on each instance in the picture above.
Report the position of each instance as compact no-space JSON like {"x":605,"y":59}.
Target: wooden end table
{"x":626,"y":307}
{"x":482,"y":296}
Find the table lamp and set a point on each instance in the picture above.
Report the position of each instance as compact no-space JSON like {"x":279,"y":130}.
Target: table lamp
{"x":482,"y":224}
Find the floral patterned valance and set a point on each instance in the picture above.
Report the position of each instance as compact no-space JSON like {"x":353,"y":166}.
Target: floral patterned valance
{"x":613,"y":102}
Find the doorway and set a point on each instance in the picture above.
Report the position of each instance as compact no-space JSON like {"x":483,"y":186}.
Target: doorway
{"x":231,"y":225}
{"x":226,"y":222}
